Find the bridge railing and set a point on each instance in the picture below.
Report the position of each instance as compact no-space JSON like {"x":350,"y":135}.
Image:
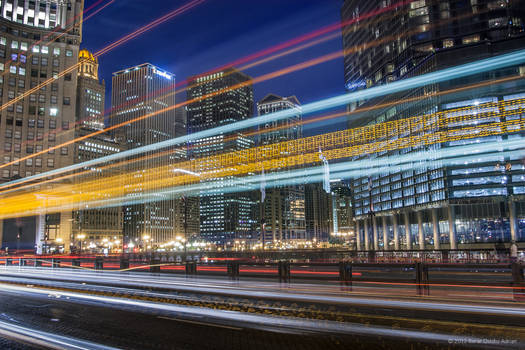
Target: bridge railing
{"x":423,"y":276}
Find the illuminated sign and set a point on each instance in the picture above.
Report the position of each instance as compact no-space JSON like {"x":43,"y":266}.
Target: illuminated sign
{"x":162,"y":74}
{"x":355,"y":85}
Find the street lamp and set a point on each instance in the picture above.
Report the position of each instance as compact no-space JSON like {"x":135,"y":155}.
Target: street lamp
{"x":18,"y":236}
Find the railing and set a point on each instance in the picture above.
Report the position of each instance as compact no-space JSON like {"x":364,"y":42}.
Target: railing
{"x":423,"y":276}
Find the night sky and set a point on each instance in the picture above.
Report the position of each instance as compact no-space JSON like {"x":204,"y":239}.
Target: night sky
{"x":216,"y":33}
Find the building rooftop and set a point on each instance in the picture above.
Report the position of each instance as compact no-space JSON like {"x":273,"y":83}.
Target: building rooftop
{"x":85,"y":54}
{"x":275,"y":98}
{"x":217,"y":74}
{"x":155,"y":69}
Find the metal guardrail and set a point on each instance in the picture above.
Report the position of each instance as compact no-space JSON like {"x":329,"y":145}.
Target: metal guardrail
{"x":420,"y":275}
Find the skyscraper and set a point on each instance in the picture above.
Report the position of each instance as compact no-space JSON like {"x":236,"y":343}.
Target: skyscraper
{"x":342,"y":216}
{"x":90,"y":92}
{"x":218,"y":99}
{"x":435,"y":206}
{"x":145,"y":91}
{"x":318,"y":212}
{"x":94,"y":225}
{"x":38,"y":40}
{"x":282,"y":212}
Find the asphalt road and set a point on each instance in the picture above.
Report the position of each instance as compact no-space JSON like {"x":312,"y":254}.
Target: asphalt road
{"x":134,"y":328}
{"x":145,"y":311}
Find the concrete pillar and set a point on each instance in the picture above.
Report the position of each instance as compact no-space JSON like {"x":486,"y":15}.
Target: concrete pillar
{"x":385,"y":233}
{"x":395,"y":226}
{"x":452,"y":227}
{"x":358,"y":234}
{"x":40,"y":233}
{"x":375,"y":234}
{"x":407,"y":231}
{"x":512,"y":220}
{"x":435,"y":228}
{"x":367,"y":238}
{"x":66,"y":228}
{"x":420,"y":235}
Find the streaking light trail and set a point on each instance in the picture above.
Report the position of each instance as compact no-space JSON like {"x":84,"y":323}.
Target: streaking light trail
{"x":304,"y":122}
{"x":66,"y":198}
{"x":108,"y":48}
{"x":342,"y":100}
{"x":281,"y":72}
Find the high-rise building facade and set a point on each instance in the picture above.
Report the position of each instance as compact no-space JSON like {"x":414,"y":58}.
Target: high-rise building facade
{"x":38,"y":41}
{"x":144,"y":92}
{"x":219,"y":99}
{"x":342,"y":215}
{"x":90,"y":92}
{"x":465,"y":204}
{"x":282,"y":212}
{"x":101,"y":226}
{"x":318,"y":212}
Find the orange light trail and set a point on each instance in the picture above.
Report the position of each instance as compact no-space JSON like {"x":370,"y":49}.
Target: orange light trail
{"x":268,"y":76}
{"x":98,"y":10}
{"x":286,"y":44}
{"x":337,"y":145}
{"x":262,"y":78}
{"x":255,"y":132}
{"x":64,"y":32}
{"x":106,"y":49}
{"x":149,"y":26}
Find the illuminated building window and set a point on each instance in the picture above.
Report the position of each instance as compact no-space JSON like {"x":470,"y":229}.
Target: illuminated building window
{"x":519,"y":190}
{"x":417,"y":4}
{"x":448,"y":43}
{"x":471,"y":39}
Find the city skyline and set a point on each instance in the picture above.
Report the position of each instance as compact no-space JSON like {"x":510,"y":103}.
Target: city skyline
{"x":233,"y":174}
{"x":146,"y":118}
{"x":236,"y":44}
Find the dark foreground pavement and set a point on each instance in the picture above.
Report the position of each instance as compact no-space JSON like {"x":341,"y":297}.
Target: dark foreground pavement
{"x":79,"y":316}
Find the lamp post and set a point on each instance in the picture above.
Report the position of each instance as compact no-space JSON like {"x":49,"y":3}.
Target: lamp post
{"x":18,"y":236}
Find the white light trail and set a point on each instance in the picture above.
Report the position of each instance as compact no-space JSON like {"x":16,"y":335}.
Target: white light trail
{"x":460,"y":71}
